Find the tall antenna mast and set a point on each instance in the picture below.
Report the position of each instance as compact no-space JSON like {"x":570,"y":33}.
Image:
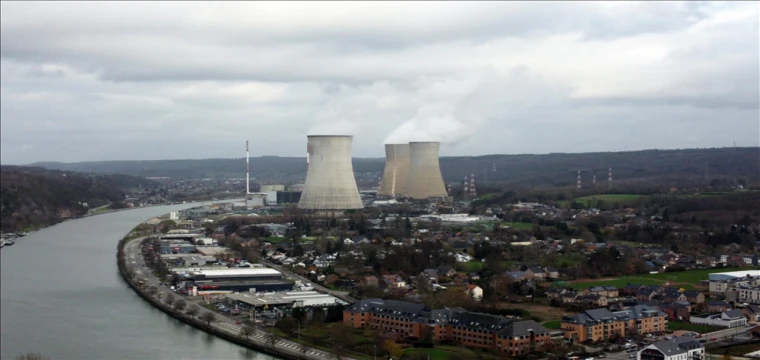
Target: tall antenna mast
{"x":609,"y":178}
{"x":578,"y":184}
{"x":247,"y":170}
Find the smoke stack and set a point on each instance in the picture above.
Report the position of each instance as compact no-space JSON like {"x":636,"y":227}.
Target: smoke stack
{"x":424,"y":180}
{"x":330,"y":182}
{"x":247,"y":170}
{"x":396,"y":170}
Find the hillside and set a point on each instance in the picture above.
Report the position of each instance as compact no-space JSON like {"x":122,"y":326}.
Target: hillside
{"x":36,"y":197}
{"x":556,"y":170}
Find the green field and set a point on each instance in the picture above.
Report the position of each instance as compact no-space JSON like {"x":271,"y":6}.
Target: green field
{"x":684,"y":279}
{"x":552,"y":324}
{"x":608,"y":198}
{"x":472,"y":266}
{"x":518,"y":225}
{"x":678,"y":325}
{"x":445,"y":352}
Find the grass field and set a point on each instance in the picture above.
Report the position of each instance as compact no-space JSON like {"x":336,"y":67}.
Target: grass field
{"x":685,"y":279}
{"x":609,"y":198}
{"x":678,"y":325}
{"x":445,"y":352}
{"x":552,"y":324}
{"x":472,"y":266}
{"x":518,"y":225}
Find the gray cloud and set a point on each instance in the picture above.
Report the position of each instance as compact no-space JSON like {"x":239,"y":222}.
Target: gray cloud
{"x":124,"y":80}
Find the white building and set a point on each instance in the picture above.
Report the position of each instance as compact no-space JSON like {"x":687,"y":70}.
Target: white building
{"x":679,"y":348}
{"x":173,"y":216}
{"x":729,"y":319}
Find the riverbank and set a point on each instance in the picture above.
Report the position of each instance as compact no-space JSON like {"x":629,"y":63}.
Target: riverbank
{"x":130,"y":262}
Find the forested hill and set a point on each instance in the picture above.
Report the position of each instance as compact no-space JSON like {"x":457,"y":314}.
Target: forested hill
{"x":518,"y":170}
{"x":35,"y":197}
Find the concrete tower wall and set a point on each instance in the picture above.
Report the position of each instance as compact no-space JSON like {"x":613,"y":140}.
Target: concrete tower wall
{"x":396,"y":170}
{"x":330,"y":182}
{"x":425,"y":179}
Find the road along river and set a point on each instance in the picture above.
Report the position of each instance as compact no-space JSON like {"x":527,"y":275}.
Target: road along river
{"x":61,"y":295}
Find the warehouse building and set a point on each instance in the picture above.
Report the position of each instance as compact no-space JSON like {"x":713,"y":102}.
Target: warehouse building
{"x":234,"y":274}
{"x":305,"y":299}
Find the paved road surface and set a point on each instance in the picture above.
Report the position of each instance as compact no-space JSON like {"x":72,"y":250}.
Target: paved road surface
{"x":135,"y":261}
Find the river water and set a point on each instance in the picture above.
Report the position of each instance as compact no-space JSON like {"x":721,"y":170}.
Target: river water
{"x":61,"y":296}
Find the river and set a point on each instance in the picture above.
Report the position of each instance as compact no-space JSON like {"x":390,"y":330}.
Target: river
{"x":61,"y":296}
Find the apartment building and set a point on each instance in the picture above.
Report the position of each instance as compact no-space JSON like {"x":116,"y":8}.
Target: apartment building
{"x":477,"y":330}
{"x":601,"y":324}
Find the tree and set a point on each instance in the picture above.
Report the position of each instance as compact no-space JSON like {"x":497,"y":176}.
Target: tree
{"x":288,"y":325}
{"x":180,"y":304}
{"x":169,"y":298}
{"x":393,"y":349}
{"x":271,"y":338}
{"x":152,"y":290}
{"x":31,"y":356}
{"x":299,"y":314}
{"x":253,"y":256}
{"x":192,"y":310}
{"x":340,"y":336}
{"x":208,"y":317}
{"x":247,"y":331}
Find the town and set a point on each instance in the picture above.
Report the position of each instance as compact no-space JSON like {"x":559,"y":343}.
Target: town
{"x":526,"y":279}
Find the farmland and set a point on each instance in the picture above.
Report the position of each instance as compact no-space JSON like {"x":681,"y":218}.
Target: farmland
{"x":685,"y":279}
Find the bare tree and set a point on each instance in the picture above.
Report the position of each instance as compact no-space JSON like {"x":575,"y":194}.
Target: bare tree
{"x":208,"y":317}
{"x":152,"y":290}
{"x":271,"y":338}
{"x":192,"y":310}
{"x":247,"y":331}
{"x":169,"y":298}
{"x":180,"y":304}
{"x":32,"y":356}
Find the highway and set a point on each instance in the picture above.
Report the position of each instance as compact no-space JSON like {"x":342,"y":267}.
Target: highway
{"x":136,"y":261}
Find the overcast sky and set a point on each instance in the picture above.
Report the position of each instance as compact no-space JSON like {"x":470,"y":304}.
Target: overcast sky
{"x":141,"y":81}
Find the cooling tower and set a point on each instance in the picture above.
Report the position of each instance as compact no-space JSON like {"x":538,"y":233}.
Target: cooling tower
{"x":396,"y":170}
{"x":424,"y":180}
{"x":330,"y":182}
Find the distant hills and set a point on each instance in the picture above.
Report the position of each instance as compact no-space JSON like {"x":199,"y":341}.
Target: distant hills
{"x":550,"y":170}
{"x":35,"y":196}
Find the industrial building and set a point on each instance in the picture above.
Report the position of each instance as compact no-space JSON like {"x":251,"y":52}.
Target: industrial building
{"x":271,"y":187}
{"x":235,"y":274}
{"x":187,"y":259}
{"x":424,"y":180}
{"x":396,"y":170}
{"x":282,"y":299}
{"x":283,"y":197}
{"x":175,"y":247}
{"x":330,"y":182}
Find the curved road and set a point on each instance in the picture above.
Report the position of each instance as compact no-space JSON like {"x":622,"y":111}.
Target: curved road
{"x":136,"y":261}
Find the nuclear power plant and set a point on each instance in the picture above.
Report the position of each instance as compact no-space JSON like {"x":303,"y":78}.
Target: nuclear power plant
{"x":330,"y":182}
{"x":396,"y":170}
{"x":424,"y":179}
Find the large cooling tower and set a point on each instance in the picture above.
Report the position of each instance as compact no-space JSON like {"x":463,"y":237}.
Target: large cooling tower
{"x":396,"y":170}
{"x":330,"y":182}
{"x":424,"y":180}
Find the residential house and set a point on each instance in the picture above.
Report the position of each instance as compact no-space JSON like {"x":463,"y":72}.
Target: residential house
{"x":751,"y":312}
{"x":431,"y":274}
{"x":446,"y":271}
{"x":594,"y":300}
{"x":552,"y":273}
{"x":394,"y":281}
{"x":601,"y":324}
{"x":606,"y":291}
{"x":718,"y":306}
{"x":476,"y":292}
{"x":370,"y":281}
{"x":536,"y":273}
{"x":676,"y":311}
{"x":694,"y":297}
{"x":729,"y":319}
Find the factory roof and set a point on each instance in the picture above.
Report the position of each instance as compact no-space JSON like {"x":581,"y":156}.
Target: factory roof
{"x":236,"y":272}
{"x":286,"y":298}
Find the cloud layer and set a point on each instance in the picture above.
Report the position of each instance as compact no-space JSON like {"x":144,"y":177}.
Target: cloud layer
{"x":121,"y":80}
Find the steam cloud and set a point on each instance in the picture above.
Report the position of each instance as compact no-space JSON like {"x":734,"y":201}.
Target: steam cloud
{"x":434,"y":122}
{"x":336,"y":127}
